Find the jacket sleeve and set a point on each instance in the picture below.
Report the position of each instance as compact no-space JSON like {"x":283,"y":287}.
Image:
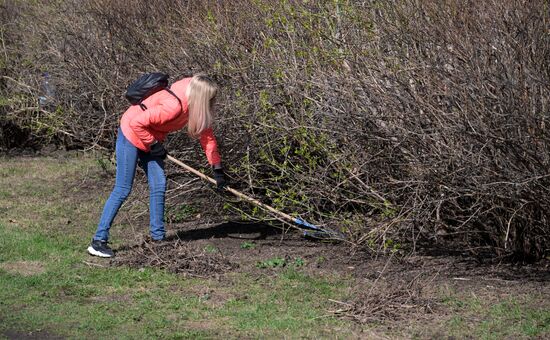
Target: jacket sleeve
{"x":153,"y":116}
{"x":210,"y":146}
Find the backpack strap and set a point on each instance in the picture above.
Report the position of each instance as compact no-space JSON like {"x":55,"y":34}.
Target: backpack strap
{"x":143,"y":107}
{"x":173,"y":94}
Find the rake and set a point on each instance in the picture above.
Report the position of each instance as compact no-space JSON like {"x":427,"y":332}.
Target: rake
{"x":309,"y":230}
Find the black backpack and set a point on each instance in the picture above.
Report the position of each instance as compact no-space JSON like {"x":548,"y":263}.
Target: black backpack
{"x":146,"y":85}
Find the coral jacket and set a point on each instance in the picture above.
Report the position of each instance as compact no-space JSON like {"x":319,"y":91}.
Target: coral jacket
{"x":164,"y":115}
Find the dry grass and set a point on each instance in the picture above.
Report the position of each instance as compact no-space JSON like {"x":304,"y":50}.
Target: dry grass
{"x":24,"y":268}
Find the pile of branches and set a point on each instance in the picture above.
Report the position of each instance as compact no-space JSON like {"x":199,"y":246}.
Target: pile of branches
{"x":175,"y":257}
{"x":395,"y":120}
{"x":383,"y":302}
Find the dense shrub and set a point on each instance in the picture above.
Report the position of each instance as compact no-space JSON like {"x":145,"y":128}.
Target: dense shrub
{"x":394,"y":120}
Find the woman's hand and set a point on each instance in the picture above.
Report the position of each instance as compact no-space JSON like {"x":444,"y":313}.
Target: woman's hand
{"x":158,"y":150}
{"x":219,"y":176}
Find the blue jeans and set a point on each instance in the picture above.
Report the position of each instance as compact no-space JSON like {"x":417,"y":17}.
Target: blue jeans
{"x":127,"y":156}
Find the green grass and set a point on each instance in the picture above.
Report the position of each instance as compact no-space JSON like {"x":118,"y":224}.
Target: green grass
{"x":210,"y":249}
{"x":280,"y":304}
{"x":248,"y":245}
{"x":278,"y":262}
{"x":511,"y":317}
{"x":47,"y":220}
{"x":180,"y":213}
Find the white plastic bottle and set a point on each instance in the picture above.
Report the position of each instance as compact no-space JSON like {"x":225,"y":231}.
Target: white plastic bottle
{"x":48,"y":91}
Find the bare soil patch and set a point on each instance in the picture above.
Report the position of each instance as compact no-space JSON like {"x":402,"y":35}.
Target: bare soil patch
{"x":218,"y":248}
{"x":24,"y":268}
{"x":38,"y":335}
{"x":414,"y":288}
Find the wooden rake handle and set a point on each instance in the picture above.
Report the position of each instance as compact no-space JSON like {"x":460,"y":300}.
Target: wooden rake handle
{"x":233,"y":191}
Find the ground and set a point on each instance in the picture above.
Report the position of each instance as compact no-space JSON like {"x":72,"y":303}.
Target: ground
{"x":218,"y":276}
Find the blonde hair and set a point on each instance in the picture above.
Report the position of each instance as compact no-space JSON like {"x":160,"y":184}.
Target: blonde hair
{"x":201,"y":93}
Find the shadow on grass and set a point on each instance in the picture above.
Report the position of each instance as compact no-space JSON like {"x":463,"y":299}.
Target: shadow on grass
{"x":237,"y":230}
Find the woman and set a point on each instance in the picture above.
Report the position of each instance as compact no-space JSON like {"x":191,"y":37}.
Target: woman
{"x":140,"y":137}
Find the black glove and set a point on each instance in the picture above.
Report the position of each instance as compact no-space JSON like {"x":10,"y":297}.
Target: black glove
{"x":158,"y":150}
{"x":219,"y":176}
